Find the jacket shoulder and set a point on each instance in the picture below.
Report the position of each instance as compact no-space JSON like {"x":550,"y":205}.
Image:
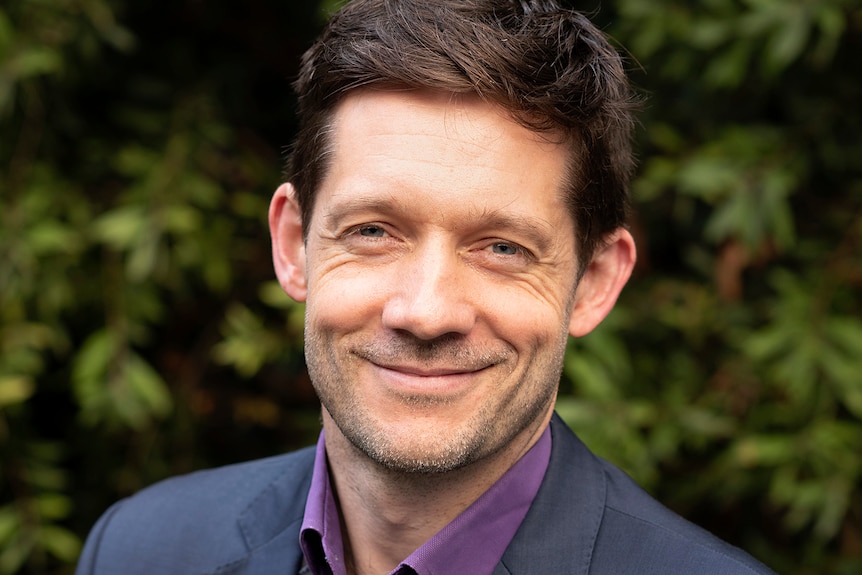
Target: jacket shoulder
{"x":194,"y":523}
{"x":590,"y":518}
{"x":640,"y":535}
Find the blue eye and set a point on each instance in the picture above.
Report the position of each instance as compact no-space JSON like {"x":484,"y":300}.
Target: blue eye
{"x":372,"y":231}
{"x":504,"y":249}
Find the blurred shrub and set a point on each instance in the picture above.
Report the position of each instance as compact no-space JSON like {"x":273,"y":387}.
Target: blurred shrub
{"x":729,"y":378}
{"x":132,"y":235}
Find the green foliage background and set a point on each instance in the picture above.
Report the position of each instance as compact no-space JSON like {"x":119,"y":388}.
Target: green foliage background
{"x":142,"y":335}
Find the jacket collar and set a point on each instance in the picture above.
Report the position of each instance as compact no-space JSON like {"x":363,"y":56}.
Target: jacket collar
{"x":270,"y":524}
{"x":565,"y":515}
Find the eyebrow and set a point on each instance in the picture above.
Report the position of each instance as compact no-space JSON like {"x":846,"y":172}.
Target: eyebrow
{"x":540,"y":232}
{"x":342,"y":210}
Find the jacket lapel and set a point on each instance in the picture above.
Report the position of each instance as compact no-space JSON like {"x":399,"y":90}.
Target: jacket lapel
{"x":557,"y":535}
{"x":560,"y":530}
{"x":271,"y":522}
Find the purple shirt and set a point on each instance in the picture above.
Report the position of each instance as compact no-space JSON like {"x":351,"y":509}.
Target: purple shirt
{"x":472,"y":543}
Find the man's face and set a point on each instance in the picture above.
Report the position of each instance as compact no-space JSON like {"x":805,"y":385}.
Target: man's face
{"x":440,"y":276}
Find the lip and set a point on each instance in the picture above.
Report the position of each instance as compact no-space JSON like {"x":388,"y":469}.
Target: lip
{"x":417,"y":371}
{"x":429,"y":381}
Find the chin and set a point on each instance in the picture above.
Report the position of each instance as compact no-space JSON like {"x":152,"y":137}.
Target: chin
{"x":414,"y":450}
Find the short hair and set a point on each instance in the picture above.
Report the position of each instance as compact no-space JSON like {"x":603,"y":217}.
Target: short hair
{"x":549,"y":66}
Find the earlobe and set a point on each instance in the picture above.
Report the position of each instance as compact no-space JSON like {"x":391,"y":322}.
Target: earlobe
{"x":602,"y":283}
{"x":288,"y":246}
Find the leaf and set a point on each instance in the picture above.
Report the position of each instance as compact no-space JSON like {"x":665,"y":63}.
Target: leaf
{"x":273,"y":295}
{"x":182,"y":219}
{"x":8,"y":524}
{"x":846,"y":333}
{"x":49,"y":237}
{"x":122,"y":227}
{"x":328,"y":8}
{"x":707,"y":176}
{"x":115,"y":384}
{"x":34,"y":61}
{"x":728,"y":69}
{"x":15,"y":389}
{"x":136,"y":161}
{"x":148,"y":386}
{"x":841,"y":361}
{"x":143,"y":257}
{"x":53,"y":505}
{"x":706,"y":423}
{"x":60,"y":542}
{"x":832,"y":23}
{"x":247,"y":345}
{"x":89,"y":368}
{"x":590,"y":378}
{"x":15,"y":553}
{"x":7,"y":34}
{"x":710,"y":33}
{"x":47,"y":476}
{"x":764,"y":450}
{"x":103,"y":20}
{"x":788,"y":39}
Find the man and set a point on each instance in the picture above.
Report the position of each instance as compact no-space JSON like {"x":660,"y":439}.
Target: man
{"x":456,"y":210}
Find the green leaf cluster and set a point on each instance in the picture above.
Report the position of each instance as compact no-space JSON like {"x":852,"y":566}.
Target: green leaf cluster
{"x":728,"y":378}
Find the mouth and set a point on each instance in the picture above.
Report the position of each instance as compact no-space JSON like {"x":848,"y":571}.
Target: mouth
{"x":426,"y":383}
{"x":450,"y":371}
{"x":428,"y":371}
{"x":417,"y":380}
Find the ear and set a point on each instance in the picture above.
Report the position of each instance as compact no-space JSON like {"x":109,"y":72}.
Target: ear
{"x":288,"y":247}
{"x":602,"y":283}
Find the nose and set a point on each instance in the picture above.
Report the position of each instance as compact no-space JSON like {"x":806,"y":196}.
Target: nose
{"x":430,"y":298}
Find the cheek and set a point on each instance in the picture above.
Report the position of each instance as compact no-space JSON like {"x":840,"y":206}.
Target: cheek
{"x":536,"y":332}
{"x":341,"y":299}
{"x":528,"y":322}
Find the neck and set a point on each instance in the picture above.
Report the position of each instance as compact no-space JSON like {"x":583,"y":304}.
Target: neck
{"x":386,"y":515}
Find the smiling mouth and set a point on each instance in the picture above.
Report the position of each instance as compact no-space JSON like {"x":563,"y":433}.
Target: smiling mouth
{"x":444,"y":359}
{"x":429,"y":371}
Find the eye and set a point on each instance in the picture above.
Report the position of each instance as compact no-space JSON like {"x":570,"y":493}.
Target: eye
{"x":504,"y":255}
{"x":506,"y":249}
{"x":371,"y":231}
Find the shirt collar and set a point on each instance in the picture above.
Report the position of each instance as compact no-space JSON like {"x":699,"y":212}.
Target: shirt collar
{"x":491,"y":520}
{"x":320,"y":534}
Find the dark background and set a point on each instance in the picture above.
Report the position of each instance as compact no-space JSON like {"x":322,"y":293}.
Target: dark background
{"x":142,"y":334}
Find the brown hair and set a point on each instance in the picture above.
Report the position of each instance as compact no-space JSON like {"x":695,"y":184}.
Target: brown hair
{"x":549,"y":66}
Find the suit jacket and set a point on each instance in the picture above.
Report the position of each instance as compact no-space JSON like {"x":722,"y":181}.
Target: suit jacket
{"x":587,"y":518}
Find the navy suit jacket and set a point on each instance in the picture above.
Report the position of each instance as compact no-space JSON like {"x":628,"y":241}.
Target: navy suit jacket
{"x":587,"y":518}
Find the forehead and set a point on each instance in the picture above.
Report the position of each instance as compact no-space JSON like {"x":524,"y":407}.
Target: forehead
{"x":461,"y":148}
{"x":373,"y":112}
